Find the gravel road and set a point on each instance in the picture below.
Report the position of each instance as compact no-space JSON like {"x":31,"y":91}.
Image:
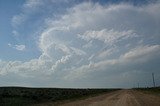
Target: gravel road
{"x":119,"y":98}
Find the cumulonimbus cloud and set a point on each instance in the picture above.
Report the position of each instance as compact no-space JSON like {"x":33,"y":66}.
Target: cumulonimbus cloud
{"x":93,"y":42}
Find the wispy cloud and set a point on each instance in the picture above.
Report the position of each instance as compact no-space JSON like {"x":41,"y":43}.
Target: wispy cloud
{"x":17,"y":47}
{"x":136,"y":59}
{"x":108,"y":36}
{"x":28,"y":9}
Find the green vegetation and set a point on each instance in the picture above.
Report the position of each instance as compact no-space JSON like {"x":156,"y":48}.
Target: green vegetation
{"x":20,"y":96}
{"x":152,"y":90}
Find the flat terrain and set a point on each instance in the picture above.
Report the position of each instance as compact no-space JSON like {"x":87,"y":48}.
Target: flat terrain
{"x":22,"y":96}
{"x":119,"y":98}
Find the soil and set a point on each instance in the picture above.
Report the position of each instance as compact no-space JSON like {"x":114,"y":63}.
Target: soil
{"x":118,"y":98}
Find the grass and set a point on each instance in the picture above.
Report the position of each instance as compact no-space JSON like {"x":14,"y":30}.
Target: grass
{"x":151,"y":90}
{"x":20,"y":96}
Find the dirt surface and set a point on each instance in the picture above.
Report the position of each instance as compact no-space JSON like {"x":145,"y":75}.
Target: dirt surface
{"x":118,"y":98}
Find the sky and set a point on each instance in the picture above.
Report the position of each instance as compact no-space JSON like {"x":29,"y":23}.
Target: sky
{"x":79,"y":43}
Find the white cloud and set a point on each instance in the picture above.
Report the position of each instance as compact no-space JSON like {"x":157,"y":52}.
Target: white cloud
{"x":32,"y":3}
{"x":88,"y":44}
{"x":20,"y":47}
{"x":18,"y":19}
{"x":78,"y":51}
{"x":29,"y":7}
{"x":15,"y":33}
{"x":32,"y":7}
{"x":104,"y":30}
{"x":108,"y":36}
{"x":137,"y":56}
{"x":60,"y":62}
{"x":142,"y":53}
{"x":17,"y":47}
{"x":9,"y":45}
{"x":105,"y":53}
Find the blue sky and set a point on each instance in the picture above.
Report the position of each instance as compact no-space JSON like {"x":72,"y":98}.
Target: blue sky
{"x":79,"y":43}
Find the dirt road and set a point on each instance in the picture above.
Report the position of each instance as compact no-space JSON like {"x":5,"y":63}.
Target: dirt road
{"x":119,"y":98}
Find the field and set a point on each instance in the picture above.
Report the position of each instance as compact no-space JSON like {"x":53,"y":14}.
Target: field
{"x":21,"y":96}
{"x":151,"y":90}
